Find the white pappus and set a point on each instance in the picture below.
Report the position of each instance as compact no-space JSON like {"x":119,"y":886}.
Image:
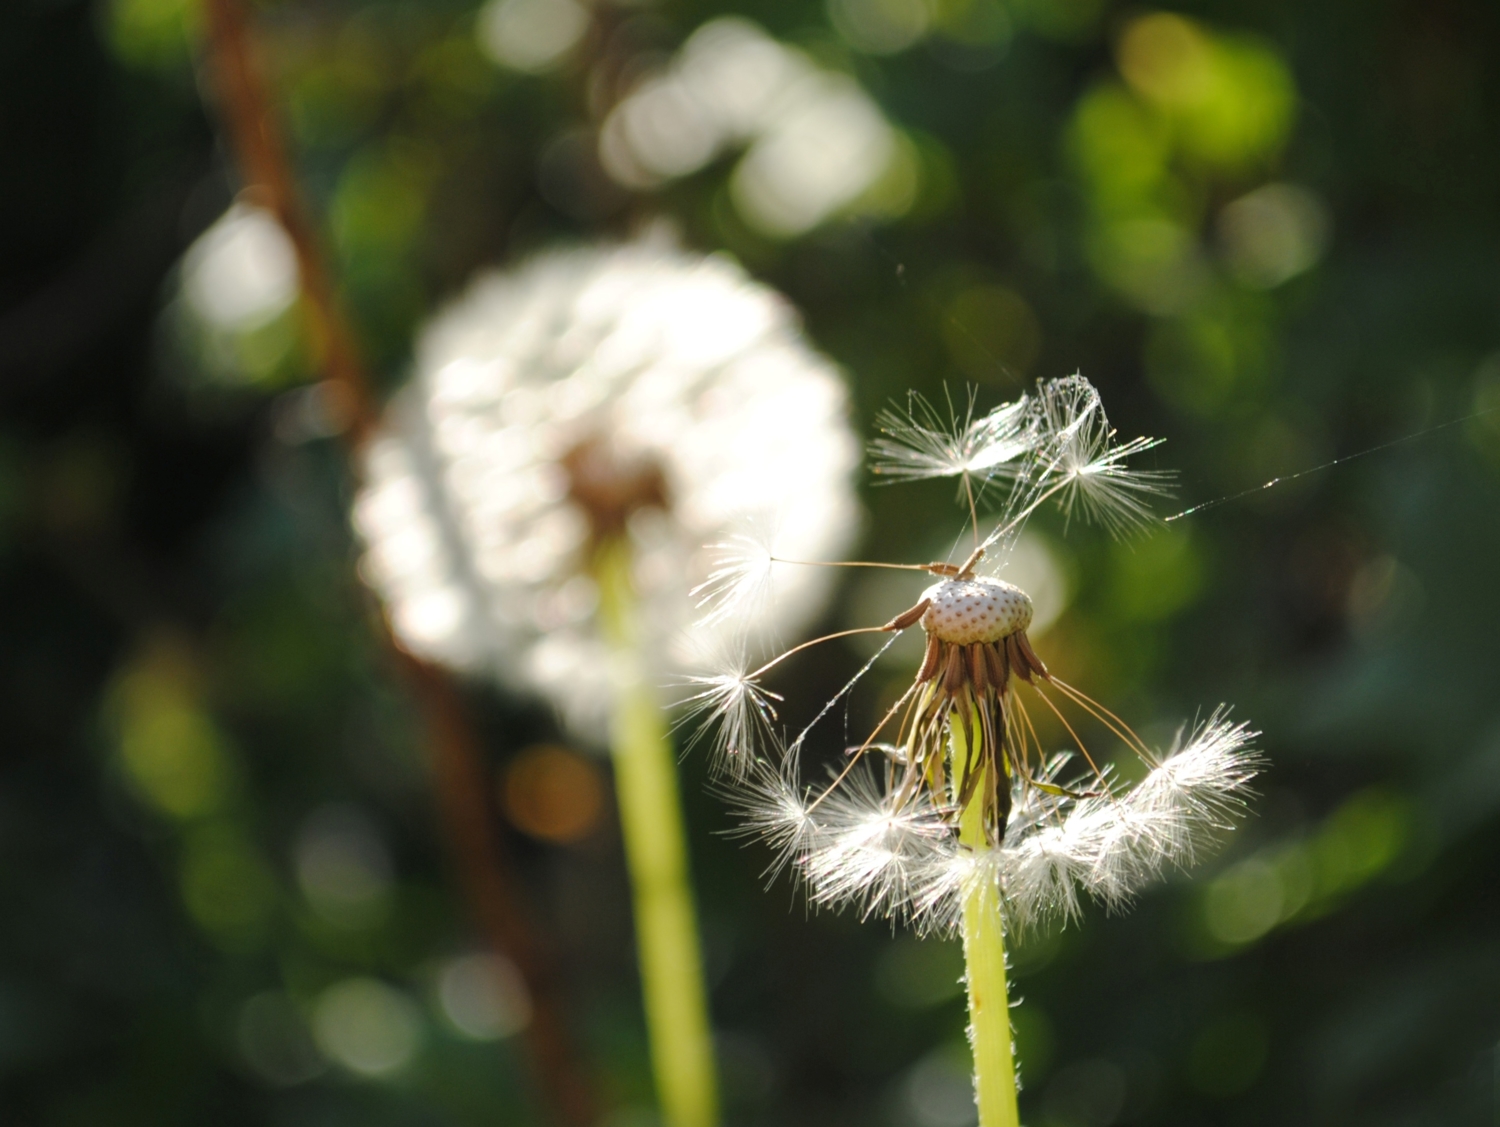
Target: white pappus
{"x":632,"y":391}
{"x":881,"y":832}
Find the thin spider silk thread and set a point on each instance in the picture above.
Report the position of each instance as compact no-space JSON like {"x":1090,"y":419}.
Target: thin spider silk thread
{"x":1205,"y":505}
{"x":1005,"y":369}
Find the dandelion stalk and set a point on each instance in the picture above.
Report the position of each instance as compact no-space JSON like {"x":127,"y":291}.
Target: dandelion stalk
{"x":984,"y":960}
{"x":671,"y":964}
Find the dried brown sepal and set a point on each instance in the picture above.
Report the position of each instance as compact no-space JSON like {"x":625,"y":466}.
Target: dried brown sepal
{"x":978,"y":667}
{"x":1024,"y":644}
{"x":930,"y":660}
{"x":953,"y":670}
{"x":908,"y":618}
{"x":999,"y":670}
{"x":1017,"y":659}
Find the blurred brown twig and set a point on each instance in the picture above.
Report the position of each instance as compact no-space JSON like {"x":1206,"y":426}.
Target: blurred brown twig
{"x":461,"y":784}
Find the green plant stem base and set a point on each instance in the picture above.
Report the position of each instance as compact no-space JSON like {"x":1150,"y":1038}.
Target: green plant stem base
{"x":984,"y":971}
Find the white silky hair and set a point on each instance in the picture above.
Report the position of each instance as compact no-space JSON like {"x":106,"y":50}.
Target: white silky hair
{"x":727,"y":708}
{"x":1081,"y":449}
{"x":742,"y":579}
{"x":661,"y":356}
{"x":919,"y":444}
{"x":857,"y":845}
{"x":1055,"y":445}
{"x":858,"y":848}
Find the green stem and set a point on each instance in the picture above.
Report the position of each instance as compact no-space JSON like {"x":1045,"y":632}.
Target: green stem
{"x":671,"y":964}
{"x":984,"y":966}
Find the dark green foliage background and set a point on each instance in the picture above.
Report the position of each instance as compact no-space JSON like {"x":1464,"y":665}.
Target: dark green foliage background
{"x":1353,"y":615}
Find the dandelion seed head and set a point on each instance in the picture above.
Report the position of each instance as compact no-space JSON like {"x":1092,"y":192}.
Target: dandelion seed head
{"x":965,"y":796}
{"x":729,"y":707}
{"x":965,"y":611}
{"x":633,"y":391}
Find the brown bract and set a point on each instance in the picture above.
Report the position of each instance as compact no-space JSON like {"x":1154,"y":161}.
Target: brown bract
{"x":972,"y":682}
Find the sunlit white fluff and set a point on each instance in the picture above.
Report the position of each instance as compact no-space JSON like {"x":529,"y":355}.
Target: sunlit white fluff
{"x":730,"y":708}
{"x":657,"y":357}
{"x":869,"y":850}
{"x":1203,"y":779}
{"x":853,"y":846}
{"x":858,"y":848}
{"x":1081,"y":454}
{"x":885,"y":840}
{"x":1057,"y":445}
{"x":772,"y":807}
{"x":919,"y":443}
{"x":742,"y":580}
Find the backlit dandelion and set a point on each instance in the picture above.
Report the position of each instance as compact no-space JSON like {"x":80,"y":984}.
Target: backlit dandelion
{"x":953,"y":814}
{"x":634,"y":392}
{"x":536,"y":506}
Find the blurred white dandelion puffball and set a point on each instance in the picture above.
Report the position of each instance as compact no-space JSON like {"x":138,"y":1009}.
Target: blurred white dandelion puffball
{"x":636,"y":391}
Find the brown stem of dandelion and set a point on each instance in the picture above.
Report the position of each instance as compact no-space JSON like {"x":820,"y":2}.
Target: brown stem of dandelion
{"x":1023,"y":764}
{"x":1036,"y":740}
{"x":902,"y":737}
{"x":1020,"y":518}
{"x":461,"y":782}
{"x":775,"y":661}
{"x":462,"y":786}
{"x":935,"y":568}
{"x":969,"y":564}
{"x":906,"y":738}
{"x":921,"y":735}
{"x":851,"y":563}
{"x":245,"y":109}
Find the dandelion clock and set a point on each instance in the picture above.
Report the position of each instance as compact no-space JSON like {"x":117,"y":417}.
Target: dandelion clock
{"x":536,"y":507}
{"x":956,"y":813}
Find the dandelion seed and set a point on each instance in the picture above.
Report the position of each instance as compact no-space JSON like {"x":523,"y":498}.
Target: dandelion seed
{"x":1085,"y":459}
{"x":741,"y":582}
{"x":732,"y":706}
{"x":919,"y":444}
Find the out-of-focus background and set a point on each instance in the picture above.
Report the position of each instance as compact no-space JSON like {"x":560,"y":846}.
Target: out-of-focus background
{"x":1270,"y":233}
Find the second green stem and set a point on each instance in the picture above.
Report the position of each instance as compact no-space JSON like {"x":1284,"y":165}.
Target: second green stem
{"x":651,"y":821}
